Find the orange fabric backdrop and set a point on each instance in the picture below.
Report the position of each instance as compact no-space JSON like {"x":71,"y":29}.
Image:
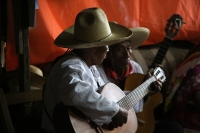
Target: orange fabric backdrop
{"x":55,"y":15}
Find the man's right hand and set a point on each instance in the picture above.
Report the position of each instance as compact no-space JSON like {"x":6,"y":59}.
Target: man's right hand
{"x":118,"y":120}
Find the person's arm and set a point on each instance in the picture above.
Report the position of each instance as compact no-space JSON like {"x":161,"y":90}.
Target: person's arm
{"x":77,"y":88}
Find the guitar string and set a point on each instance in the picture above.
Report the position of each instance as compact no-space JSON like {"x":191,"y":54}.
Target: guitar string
{"x":159,"y":61}
{"x":138,"y":94}
{"x":142,"y":92}
{"x":128,"y":101}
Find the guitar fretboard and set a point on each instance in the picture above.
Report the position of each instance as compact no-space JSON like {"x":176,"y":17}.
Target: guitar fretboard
{"x":136,"y":95}
{"x":162,"y":51}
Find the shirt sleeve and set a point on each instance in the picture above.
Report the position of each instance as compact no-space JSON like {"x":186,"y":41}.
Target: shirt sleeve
{"x":102,"y":74}
{"x":78,"y":88}
{"x":136,"y":67}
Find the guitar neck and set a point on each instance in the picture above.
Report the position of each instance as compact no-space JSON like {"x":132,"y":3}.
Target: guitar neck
{"x":162,"y":51}
{"x":136,"y":95}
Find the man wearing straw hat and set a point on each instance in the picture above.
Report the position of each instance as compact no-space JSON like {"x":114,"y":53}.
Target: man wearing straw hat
{"x":74,"y":79}
{"x":116,"y":68}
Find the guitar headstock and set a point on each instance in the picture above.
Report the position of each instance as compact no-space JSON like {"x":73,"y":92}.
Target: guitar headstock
{"x":159,"y":74}
{"x":173,"y":25}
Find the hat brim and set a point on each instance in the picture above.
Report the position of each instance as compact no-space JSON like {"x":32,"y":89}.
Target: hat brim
{"x":140,"y":34}
{"x":36,"y":82}
{"x":119,"y":34}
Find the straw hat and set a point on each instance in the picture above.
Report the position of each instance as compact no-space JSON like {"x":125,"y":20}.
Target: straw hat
{"x":140,"y":34}
{"x":37,"y":80}
{"x":92,"y":29}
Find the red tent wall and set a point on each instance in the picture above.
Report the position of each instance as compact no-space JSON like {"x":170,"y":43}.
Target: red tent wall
{"x":53,"y":16}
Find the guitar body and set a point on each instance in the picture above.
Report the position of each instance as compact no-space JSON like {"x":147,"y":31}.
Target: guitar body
{"x":113,"y":93}
{"x":147,"y":115}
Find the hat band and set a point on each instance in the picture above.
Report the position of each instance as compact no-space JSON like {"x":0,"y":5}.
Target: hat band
{"x":95,"y":41}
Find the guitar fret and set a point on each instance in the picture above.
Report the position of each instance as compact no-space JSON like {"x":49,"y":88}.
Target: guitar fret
{"x":123,"y":103}
{"x":141,"y":92}
{"x":127,"y":104}
{"x":164,"y":46}
{"x":157,"y":60}
{"x":161,"y":52}
{"x":168,"y":40}
{"x":129,"y":99}
{"x":136,"y":95}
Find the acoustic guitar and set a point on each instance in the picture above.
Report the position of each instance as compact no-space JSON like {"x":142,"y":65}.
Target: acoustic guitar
{"x":147,"y":115}
{"x":114,"y":93}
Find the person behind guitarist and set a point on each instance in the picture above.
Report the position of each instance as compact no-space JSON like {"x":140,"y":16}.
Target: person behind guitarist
{"x":118,"y":65}
{"x":74,"y":81}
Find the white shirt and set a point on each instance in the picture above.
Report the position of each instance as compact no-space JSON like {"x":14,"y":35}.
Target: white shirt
{"x":138,"y":107}
{"x":72,"y":82}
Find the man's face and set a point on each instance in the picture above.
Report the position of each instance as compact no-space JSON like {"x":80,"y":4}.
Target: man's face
{"x":120,"y":53}
{"x":99,"y":54}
